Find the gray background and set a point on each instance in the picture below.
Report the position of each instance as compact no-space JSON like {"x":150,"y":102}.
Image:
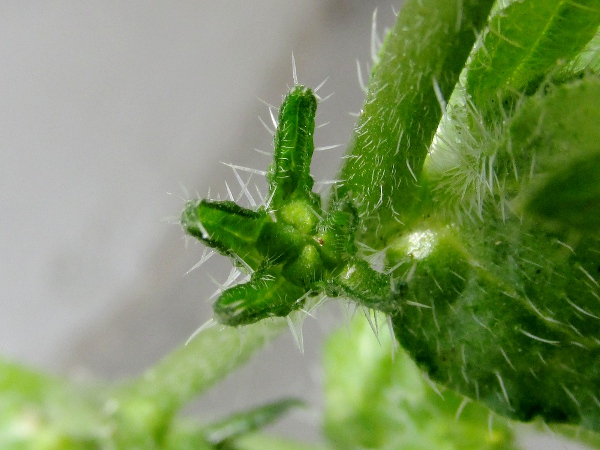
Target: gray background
{"x":108,"y":106}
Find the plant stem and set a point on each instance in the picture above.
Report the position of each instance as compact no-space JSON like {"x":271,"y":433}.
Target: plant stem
{"x":206,"y":359}
{"x":418,"y":68}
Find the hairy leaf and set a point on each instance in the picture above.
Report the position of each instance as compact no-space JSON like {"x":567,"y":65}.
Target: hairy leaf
{"x":526,"y":41}
{"x":502,"y":303}
{"x":558,"y":137}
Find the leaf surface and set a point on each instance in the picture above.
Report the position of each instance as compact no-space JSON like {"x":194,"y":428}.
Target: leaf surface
{"x":525,"y":41}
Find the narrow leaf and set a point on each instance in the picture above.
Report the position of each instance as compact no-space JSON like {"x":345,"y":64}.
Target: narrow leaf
{"x":246,"y":422}
{"x":525,"y":41}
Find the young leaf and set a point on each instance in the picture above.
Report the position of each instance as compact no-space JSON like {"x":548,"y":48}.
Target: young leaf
{"x":277,"y":243}
{"x":267,"y":294}
{"x":359,"y":282}
{"x":291,"y":247}
{"x":525,"y":41}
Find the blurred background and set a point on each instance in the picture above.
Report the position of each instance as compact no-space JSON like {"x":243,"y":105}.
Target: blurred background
{"x":111,"y":114}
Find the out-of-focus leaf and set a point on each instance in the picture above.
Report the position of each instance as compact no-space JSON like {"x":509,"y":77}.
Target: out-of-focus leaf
{"x":246,"y":422}
{"x":42,"y":412}
{"x":588,"y":60}
{"x":571,"y":196}
{"x":378,"y":399}
{"x":258,"y":441}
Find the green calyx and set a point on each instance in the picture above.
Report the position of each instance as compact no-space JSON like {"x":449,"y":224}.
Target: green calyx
{"x":291,"y":248}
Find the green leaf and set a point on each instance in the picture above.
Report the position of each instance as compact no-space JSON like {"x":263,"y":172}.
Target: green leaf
{"x":289,"y":245}
{"x":26,"y":383}
{"x":38,"y":411}
{"x":42,"y":412}
{"x":260,"y":441}
{"x":249,"y":421}
{"x":419,"y":66}
{"x":526,"y":41}
{"x":378,"y":399}
{"x":558,"y":137}
{"x":502,"y":269}
{"x":571,"y":196}
{"x":588,"y":60}
{"x":359,"y":282}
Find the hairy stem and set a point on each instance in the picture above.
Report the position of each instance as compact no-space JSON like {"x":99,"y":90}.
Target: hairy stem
{"x":418,"y":68}
{"x":206,"y":359}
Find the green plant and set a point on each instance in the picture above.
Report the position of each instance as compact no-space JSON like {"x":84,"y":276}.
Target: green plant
{"x":471,"y":184}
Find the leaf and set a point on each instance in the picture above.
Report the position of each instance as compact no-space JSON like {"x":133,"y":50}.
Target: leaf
{"x":501,"y":305}
{"x":378,"y":399}
{"x":571,"y":196}
{"x":559,"y":135}
{"x":588,"y":60}
{"x":359,"y":282}
{"x":42,"y":412}
{"x":287,"y":246}
{"x":525,"y":41}
{"x":242,"y":423}
{"x":38,"y":411}
{"x":258,"y":441}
